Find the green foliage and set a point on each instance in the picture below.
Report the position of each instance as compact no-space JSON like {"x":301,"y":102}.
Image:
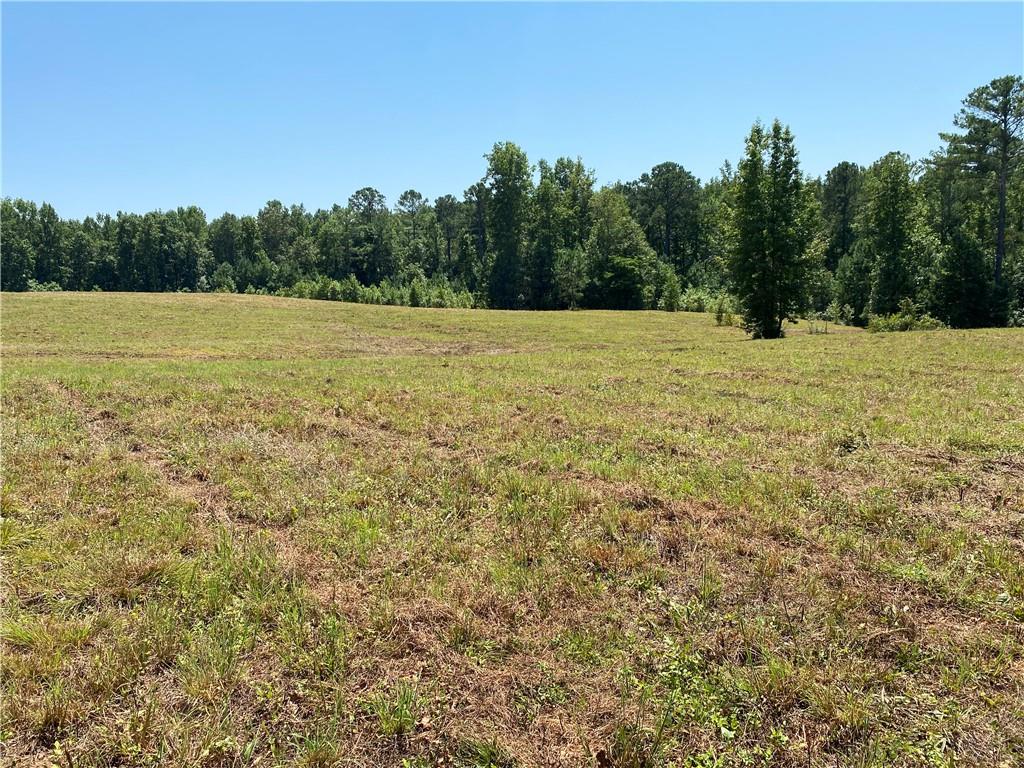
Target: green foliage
{"x":570,"y":277}
{"x":887,"y":226}
{"x":907,"y":318}
{"x":508,"y":213}
{"x":483,"y":754}
{"x":396,"y":709}
{"x":435,"y":292}
{"x":853,"y":282}
{"x":18,"y":233}
{"x":961,"y":287}
{"x":667,"y":204}
{"x":769,"y":267}
{"x":961,"y":291}
{"x":822,"y":287}
{"x":991,"y":146}
{"x":223,"y":279}
{"x":840,"y":201}
{"x":704,"y":300}
{"x":946,"y":233}
{"x":668,"y":294}
{"x":723,"y":312}
{"x":620,"y":262}
{"x":546,"y":240}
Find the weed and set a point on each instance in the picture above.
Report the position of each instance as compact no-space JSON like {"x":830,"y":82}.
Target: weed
{"x":396,"y":709}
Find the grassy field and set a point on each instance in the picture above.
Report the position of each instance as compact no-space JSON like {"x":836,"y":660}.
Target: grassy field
{"x":249,"y":530}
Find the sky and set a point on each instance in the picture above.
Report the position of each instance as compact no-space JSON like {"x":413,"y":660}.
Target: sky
{"x":147,"y":106}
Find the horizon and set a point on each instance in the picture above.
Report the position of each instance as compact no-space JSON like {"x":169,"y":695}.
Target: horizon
{"x":103,"y":111}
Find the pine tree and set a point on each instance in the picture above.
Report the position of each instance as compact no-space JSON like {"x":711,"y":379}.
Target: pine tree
{"x":545,"y":241}
{"x":961,"y":290}
{"x":886,"y":227}
{"x":769,"y":267}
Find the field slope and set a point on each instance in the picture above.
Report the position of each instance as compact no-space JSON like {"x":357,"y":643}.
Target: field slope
{"x":249,"y":530}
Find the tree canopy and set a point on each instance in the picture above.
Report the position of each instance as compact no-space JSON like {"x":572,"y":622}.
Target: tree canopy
{"x":944,"y":235}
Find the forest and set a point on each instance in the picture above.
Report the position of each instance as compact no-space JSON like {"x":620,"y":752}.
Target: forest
{"x":900,"y":244}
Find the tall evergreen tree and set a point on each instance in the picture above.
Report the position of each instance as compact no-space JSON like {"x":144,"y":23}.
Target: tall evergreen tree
{"x":411,"y":210}
{"x":275,"y":229}
{"x":992,"y":144}
{"x":545,"y":240}
{"x":886,"y":229}
{"x":961,"y":283}
{"x":50,"y":256}
{"x":666,"y":203}
{"x":769,"y":267}
{"x":447,"y":211}
{"x":853,"y":282}
{"x":82,"y":251}
{"x":254,"y":269}
{"x":372,"y":245}
{"x":508,"y":221}
{"x":17,"y":252}
{"x":840,"y":194}
{"x":333,"y":244}
{"x":960,"y":293}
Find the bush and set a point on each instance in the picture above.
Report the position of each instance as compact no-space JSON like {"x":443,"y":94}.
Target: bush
{"x":43,"y":287}
{"x":419,"y":292}
{"x":908,"y":318}
{"x":723,"y":311}
{"x":840,"y":315}
{"x":817,"y":323}
{"x":696,"y":300}
{"x":704,"y":300}
{"x":416,"y":292}
{"x":668,"y":293}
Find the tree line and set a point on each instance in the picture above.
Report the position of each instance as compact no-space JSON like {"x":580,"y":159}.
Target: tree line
{"x":940,"y":237}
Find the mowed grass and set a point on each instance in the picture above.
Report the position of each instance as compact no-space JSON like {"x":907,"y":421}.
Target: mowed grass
{"x":259,"y":531}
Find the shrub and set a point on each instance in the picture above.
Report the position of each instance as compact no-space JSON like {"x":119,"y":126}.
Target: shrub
{"x":908,"y":318}
{"x":667,"y":291}
{"x":723,"y":311}
{"x":701,"y":299}
{"x":696,"y":300}
{"x":817,"y":323}
{"x":417,"y":292}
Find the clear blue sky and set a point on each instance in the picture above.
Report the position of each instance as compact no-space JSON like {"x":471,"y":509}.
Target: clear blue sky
{"x":137,"y":107}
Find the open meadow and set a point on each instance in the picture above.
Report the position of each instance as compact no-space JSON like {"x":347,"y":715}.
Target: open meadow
{"x":243,"y":530}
